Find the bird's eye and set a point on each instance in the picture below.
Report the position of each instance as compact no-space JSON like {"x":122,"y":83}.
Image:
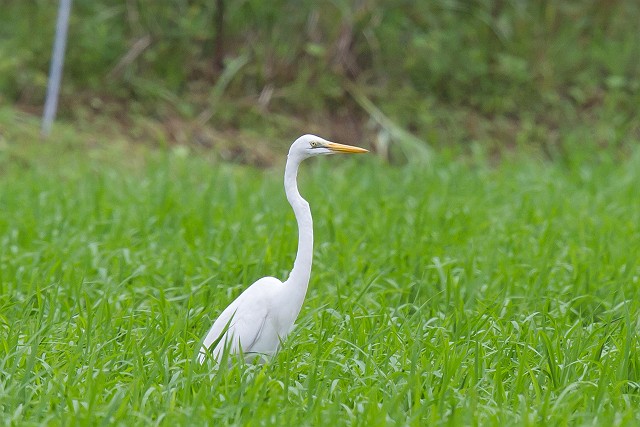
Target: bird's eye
{"x":314,"y":144}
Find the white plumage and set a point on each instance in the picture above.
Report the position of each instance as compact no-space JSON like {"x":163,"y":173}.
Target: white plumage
{"x":263,"y":315}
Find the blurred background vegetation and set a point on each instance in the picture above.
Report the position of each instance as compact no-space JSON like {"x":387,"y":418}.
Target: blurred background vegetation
{"x":545,"y":75}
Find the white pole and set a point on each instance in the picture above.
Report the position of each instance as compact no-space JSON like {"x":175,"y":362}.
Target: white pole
{"x":57,"y":62}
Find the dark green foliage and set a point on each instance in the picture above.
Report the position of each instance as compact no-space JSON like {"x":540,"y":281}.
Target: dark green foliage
{"x":540,"y":64}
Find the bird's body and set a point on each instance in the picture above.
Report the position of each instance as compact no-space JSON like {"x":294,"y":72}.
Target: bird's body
{"x":262,"y":316}
{"x":249,"y":321}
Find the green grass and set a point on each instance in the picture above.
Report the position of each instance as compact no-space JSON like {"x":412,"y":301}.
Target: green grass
{"x":457,"y":293}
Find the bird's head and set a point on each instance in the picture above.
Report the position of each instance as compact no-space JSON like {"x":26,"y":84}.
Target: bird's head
{"x":310,"y":145}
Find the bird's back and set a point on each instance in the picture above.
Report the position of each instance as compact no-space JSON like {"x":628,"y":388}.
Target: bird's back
{"x":247,"y":324}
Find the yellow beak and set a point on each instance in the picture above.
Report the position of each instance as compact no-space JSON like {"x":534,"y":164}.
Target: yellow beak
{"x":342,"y":148}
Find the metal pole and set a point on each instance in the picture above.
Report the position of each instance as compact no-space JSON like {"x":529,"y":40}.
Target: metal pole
{"x":57,"y":63}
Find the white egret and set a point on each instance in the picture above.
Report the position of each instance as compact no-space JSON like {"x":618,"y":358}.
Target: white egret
{"x":260,"y":318}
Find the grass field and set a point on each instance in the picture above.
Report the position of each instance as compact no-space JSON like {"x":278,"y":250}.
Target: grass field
{"x":459,"y":293}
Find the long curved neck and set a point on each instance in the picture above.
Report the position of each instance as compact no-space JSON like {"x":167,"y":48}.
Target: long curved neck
{"x":301,"y":272}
